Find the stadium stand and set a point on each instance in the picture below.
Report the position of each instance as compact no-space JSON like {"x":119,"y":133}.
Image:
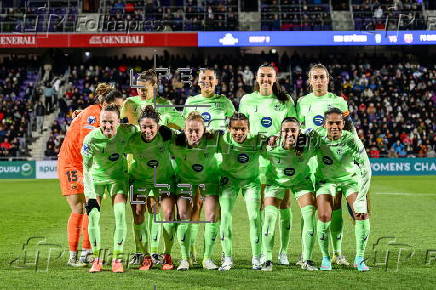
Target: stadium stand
{"x":207,"y":15}
{"x":389,"y":15}
{"x":392,"y":102}
{"x":18,"y":99}
{"x":295,"y":15}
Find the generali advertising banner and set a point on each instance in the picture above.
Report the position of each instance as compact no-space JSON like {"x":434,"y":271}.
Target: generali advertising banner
{"x":98,"y":40}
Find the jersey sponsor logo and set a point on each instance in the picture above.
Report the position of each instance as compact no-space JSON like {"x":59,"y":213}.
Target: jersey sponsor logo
{"x":318,"y":120}
{"x":153,"y":163}
{"x":327,"y":160}
{"x":243,"y":158}
{"x":266,"y":122}
{"x":206,"y":116}
{"x":114,"y":157}
{"x":289,"y":171}
{"x":92,"y":120}
{"x":197,"y":167}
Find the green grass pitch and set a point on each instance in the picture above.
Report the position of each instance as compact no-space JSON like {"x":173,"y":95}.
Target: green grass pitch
{"x":401,"y":251}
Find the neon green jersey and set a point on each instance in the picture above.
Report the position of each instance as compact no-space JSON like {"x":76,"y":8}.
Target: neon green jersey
{"x":133,"y":107}
{"x":196,"y":165}
{"x":241,"y":161}
{"x":287,"y":168}
{"x":265,"y":113}
{"x":150,"y":155}
{"x":103,"y":158}
{"x":311,"y":108}
{"x":215,"y":115}
{"x":336,"y":158}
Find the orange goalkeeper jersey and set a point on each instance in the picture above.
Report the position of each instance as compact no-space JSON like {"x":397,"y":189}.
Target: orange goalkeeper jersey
{"x":84,"y":123}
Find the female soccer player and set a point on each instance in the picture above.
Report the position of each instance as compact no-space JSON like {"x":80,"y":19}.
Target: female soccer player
{"x":104,"y":168}
{"x":197,"y":173}
{"x":338,"y":152}
{"x":132,"y":108}
{"x":214,"y":109}
{"x":266,"y":108}
{"x":289,"y":170}
{"x":70,"y":170}
{"x":240,"y":171}
{"x":310,"y":111}
{"x":151,"y":166}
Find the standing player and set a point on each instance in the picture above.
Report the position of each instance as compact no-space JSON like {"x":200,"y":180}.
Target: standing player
{"x":289,"y":170}
{"x":70,"y":170}
{"x":147,"y":95}
{"x":217,"y":108}
{"x":338,"y":152}
{"x":197,"y":173}
{"x":310,"y":110}
{"x":105,"y":168}
{"x":266,"y":108}
{"x":132,"y":108}
{"x":240,"y":171}
{"x":151,"y":166}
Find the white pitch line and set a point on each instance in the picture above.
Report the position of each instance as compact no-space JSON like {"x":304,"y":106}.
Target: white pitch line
{"x":406,"y":193}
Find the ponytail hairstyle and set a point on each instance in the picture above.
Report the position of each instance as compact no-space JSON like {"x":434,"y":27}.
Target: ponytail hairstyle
{"x":281,"y":95}
{"x":237,"y":116}
{"x":110,"y":97}
{"x":149,"y":112}
{"x":317,"y":66}
{"x":101,"y":91}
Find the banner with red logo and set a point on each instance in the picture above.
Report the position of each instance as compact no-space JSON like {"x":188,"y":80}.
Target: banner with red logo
{"x":98,"y":40}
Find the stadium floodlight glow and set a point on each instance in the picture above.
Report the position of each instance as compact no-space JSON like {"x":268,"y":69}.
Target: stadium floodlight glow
{"x":87,"y":54}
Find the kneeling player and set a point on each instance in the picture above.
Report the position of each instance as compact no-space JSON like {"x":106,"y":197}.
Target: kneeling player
{"x":197,"y":172}
{"x":289,"y":170}
{"x":339,"y":155}
{"x":151,"y":168}
{"x":104,"y":167}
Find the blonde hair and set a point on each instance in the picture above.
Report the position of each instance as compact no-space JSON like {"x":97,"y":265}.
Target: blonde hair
{"x":317,"y":66}
{"x":194,"y":116}
{"x":102,"y":90}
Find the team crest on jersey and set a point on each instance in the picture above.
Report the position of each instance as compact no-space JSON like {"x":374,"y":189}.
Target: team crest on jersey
{"x":327,"y":160}
{"x":278,"y":107}
{"x":114,"y":157}
{"x":243,"y":158}
{"x":197,"y":167}
{"x":206,"y":116}
{"x":153,"y":163}
{"x":289,"y":171}
{"x":73,"y":185}
{"x":266,"y":122}
{"x":318,"y":120}
{"x":224,"y":180}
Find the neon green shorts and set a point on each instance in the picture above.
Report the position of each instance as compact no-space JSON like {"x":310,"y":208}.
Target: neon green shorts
{"x":140,"y":187}
{"x":113,"y":188}
{"x":231,"y":188}
{"x":297,"y":190}
{"x":263,"y":168}
{"x":189,"y":189}
{"x":347,"y":187}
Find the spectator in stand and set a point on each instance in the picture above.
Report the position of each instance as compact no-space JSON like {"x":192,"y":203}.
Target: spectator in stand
{"x":40,"y":113}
